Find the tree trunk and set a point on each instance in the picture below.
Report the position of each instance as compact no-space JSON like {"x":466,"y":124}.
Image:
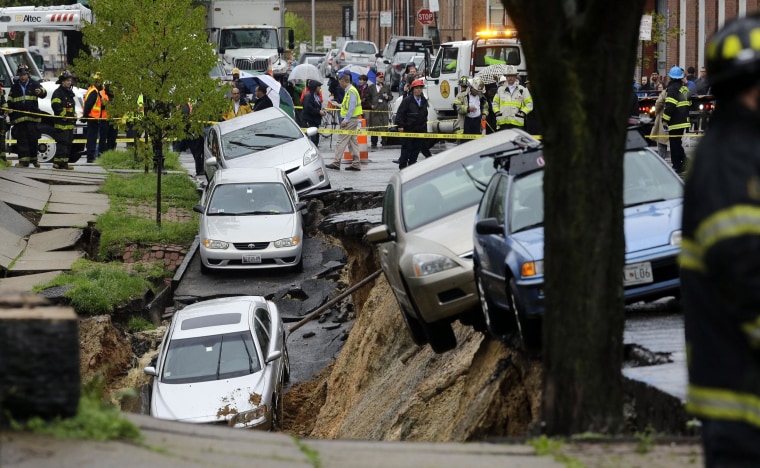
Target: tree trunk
{"x":158,"y":166}
{"x":581,"y":58}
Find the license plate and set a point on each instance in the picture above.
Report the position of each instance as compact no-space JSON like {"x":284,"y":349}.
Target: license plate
{"x":251,"y":258}
{"x":637,"y":273}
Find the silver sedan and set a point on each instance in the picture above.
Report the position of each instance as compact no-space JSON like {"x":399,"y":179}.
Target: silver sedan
{"x":266,"y":138}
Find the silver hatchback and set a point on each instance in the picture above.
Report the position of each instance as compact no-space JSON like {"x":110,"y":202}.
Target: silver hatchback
{"x":356,"y":53}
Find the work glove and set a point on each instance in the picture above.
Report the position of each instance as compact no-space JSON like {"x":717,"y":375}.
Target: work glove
{"x":665,"y":127}
{"x":520,"y":114}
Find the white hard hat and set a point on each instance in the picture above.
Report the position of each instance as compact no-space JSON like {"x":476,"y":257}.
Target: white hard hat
{"x":511,"y":70}
{"x":502,"y":79}
{"x":477,"y":83}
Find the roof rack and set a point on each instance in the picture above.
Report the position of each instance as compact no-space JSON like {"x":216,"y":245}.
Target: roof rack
{"x":520,"y":145}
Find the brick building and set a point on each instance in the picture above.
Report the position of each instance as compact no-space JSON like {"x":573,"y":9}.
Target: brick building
{"x":693,"y":22}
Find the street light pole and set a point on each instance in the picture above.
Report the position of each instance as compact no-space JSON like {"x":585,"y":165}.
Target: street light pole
{"x":313,"y":29}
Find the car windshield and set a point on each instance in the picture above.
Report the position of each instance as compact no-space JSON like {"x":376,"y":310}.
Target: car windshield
{"x":646,"y":179}
{"x":360,"y":48}
{"x":208,"y":358}
{"x":249,"y":38}
{"x":249,"y":200}
{"x":445,"y":191}
{"x":259,"y":136}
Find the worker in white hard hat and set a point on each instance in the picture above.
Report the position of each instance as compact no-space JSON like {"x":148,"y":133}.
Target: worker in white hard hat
{"x":512,"y":102}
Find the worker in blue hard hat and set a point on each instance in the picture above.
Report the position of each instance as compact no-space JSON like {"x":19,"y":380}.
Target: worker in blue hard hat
{"x":675,"y":116}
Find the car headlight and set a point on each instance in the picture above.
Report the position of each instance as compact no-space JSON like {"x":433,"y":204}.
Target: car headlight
{"x":287,"y":242}
{"x":215,"y":244}
{"x":675,"y":238}
{"x":250,"y":418}
{"x":427,"y":264}
{"x":310,"y":156}
{"x":532,"y":268}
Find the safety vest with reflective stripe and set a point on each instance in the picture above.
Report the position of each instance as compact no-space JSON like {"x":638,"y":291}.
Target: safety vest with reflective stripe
{"x":347,"y":100}
{"x":677,"y":104}
{"x":62,"y":104}
{"x":95,"y":112}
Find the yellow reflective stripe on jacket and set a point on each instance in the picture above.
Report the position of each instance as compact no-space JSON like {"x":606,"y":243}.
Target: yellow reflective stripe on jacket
{"x":690,"y":257}
{"x":723,"y":404}
{"x":738,"y":220}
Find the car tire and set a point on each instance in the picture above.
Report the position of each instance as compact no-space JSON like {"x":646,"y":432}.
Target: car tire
{"x":529,"y":329}
{"x":278,"y":411}
{"x":286,"y":365}
{"x":204,"y":269}
{"x":46,"y":151}
{"x":441,"y":336}
{"x":415,"y":329}
{"x":497,"y":321}
{"x":298,"y":267}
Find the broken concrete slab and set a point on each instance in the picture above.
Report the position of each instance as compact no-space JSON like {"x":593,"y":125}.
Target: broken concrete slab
{"x":11,"y":246}
{"x":74,"y":188}
{"x":14,"y":222}
{"x":66,"y":220}
{"x":79,"y":198}
{"x":26,"y":282}
{"x":57,"y":239}
{"x":76,"y":209}
{"x":59,"y":176}
{"x":33,"y":260}
{"x":23,"y":180}
{"x":24,"y":190}
{"x":22,"y":202}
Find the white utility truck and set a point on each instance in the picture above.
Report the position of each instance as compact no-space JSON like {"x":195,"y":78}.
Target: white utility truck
{"x":249,"y":34}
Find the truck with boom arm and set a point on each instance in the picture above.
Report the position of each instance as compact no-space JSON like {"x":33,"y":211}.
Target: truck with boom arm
{"x":30,"y":18}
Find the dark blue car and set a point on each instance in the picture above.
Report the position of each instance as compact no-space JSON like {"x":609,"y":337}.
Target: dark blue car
{"x":508,"y":238}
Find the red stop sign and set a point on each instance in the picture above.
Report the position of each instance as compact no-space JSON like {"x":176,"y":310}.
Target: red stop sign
{"x":425,"y":17}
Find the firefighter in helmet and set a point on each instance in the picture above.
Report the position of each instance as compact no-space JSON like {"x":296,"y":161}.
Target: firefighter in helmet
{"x":25,"y":116}
{"x":62,"y":103}
{"x":720,"y":254}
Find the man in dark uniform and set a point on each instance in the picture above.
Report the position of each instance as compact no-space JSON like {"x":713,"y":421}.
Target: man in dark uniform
{"x":62,"y":103}
{"x":24,"y":112}
{"x":675,"y":117}
{"x":411,"y":117}
{"x":720,"y":255}
{"x":262,"y":100}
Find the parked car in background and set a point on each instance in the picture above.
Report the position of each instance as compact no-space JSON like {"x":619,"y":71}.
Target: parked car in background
{"x":266,"y":138}
{"x":327,"y":66}
{"x":355,"y":53}
{"x":425,"y":240}
{"x":222,"y":361}
{"x":250,"y":219}
{"x":509,"y":237}
{"x":313,"y":58}
{"x":398,"y":65}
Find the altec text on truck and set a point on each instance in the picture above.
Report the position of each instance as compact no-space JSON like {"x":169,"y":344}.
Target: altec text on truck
{"x":249,"y":34}
{"x":467,"y":58}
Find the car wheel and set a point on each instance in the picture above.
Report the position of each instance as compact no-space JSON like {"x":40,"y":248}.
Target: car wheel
{"x":278,"y":412}
{"x":440,"y":335}
{"x":498,"y":321}
{"x":416,"y":331}
{"x":46,"y":151}
{"x":529,"y":330}
{"x":286,"y":365}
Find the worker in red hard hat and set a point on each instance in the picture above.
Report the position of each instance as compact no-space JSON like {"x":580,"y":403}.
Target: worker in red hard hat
{"x":411,"y":117}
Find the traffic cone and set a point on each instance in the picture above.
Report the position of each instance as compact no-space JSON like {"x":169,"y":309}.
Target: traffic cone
{"x":363,"y":148}
{"x":362,"y":140}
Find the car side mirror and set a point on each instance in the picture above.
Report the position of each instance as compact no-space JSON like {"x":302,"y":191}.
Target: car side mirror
{"x":211,"y":161}
{"x":150,"y":370}
{"x":274,"y":355}
{"x":311,"y":131}
{"x":489,"y":226}
{"x":379,"y":234}
{"x":199,"y":209}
